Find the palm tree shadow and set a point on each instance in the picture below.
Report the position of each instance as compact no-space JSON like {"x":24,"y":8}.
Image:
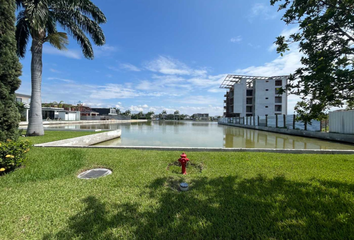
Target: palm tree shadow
{"x":224,"y":208}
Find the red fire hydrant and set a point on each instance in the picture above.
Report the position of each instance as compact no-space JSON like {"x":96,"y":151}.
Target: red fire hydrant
{"x":183,"y":160}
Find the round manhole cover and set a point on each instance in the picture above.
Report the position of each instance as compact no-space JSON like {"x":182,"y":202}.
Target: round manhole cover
{"x":94,"y":173}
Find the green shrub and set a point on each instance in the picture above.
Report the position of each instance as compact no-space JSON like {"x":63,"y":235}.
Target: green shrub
{"x":12,"y":154}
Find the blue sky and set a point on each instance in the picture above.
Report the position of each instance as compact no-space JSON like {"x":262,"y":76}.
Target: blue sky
{"x":167,"y":55}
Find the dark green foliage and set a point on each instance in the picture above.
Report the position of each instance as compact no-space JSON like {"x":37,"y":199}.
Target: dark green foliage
{"x":10,"y":70}
{"x":12,"y":154}
{"x":326,"y":38}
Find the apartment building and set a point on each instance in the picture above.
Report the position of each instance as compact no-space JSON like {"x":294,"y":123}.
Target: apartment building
{"x":254,"y":96}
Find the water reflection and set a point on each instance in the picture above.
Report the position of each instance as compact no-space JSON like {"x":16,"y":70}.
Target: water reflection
{"x":248,"y":138}
{"x":205,"y":134}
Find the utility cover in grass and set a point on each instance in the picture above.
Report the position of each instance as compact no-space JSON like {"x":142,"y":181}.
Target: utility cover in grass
{"x":94,"y":173}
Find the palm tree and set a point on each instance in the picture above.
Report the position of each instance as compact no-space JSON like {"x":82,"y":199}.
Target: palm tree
{"x":38,"y":19}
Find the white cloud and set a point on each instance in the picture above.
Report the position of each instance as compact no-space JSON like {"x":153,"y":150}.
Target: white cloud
{"x":216,"y":90}
{"x":104,"y":51}
{"x":165,"y":83}
{"x":61,"y":79}
{"x":66,"y":53}
{"x":113,"y":91}
{"x":139,"y":108}
{"x":236,"y":39}
{"x":254,"y":46}
{"x":265,"y":11}
{"x":280,"y":66}
{"x":129,"y":67}
{"x":113,"y":68}
{"x":170,"y":66}
{"x":207,"y":81}
{"x":54,"y":70}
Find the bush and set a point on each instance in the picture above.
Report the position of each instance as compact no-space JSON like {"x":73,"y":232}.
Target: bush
{"x":12,"y":154}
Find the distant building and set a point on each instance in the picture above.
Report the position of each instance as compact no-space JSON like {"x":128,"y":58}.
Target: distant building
{"x":254,"y":96}
{"x":26,"y":100}
{"x":105,"y":111}
{"x":201,"y":116}
{"x":23,"y":98}
{"x":52,"y":113}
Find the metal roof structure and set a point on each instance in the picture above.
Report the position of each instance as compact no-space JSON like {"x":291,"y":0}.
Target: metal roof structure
{"x":230,"y":80}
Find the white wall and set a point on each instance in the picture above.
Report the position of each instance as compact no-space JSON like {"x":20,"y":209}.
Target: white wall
{"x":261,"y":94}
{"x":62,"y":115}
{"x":341,"y":122}
{"x":261,"y":102}
{"x":240,"y":98}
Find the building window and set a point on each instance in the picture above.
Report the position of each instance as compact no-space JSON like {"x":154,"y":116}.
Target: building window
{"x":249,"y":101}
{"x":278,"y":108}
{"x":267,"y":90}
{"x":19,"y":100}
{"x":278,"y":91}
{"x":249,"y":109}
{"x":266,"y":98}
{"x":249,"y":93}
{"x":278,"y":99}
{"x":278,"y":82}
{"x":266,"y":106}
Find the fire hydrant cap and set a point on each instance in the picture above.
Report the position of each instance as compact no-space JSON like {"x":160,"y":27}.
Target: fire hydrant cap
{"x":183,"y":155}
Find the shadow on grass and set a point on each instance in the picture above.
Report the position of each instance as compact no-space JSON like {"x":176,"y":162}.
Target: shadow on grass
{"x":224,"y":208}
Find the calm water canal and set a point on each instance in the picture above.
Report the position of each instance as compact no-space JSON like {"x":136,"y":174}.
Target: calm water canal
{"x":205,"y":134}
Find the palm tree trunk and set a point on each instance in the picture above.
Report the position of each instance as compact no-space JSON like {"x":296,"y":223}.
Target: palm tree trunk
{"x":35,"y":125}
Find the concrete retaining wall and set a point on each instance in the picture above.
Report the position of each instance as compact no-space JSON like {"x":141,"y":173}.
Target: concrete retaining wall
{"x":347,"y":138}
{"x":84,"y":140}
{"x":212,"y":149}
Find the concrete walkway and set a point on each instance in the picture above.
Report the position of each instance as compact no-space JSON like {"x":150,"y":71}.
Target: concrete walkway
{"x":86,"y":122}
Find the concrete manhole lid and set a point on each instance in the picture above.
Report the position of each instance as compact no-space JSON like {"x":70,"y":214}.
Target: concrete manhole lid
{"x":94,"y":173}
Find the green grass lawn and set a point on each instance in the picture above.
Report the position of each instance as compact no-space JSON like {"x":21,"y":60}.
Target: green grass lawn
{"x":50,"y":136}
{"x":235,"y":196}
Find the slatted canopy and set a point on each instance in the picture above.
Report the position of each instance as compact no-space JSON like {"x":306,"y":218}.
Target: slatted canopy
{"x":230,"y":80}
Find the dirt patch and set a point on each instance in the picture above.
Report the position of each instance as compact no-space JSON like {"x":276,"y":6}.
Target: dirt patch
{"x":197,"y":166}
{"x":174,"y":182}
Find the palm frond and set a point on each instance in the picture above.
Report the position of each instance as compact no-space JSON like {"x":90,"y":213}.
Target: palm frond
{"x":51,"y":24}
{"x":86,"y":25}
{"x":22,"y":34}
{"x":58,"y":40}
{"x":75,"y":31}
{"x":86,"y":7}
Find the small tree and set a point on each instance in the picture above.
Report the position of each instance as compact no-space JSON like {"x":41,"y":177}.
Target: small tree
{"x":10,"y":70}
{"x":127,"y":113}
{"x":325,"y":37}
{"x":149,"y":114}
